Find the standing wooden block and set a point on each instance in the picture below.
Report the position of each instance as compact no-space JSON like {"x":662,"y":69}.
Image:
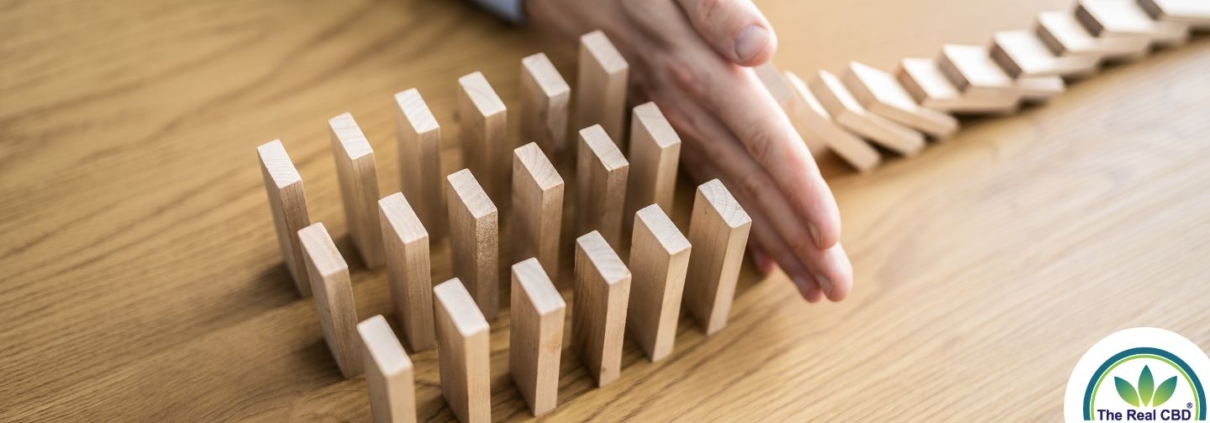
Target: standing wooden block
{"x":284,"y":187}
{"x":358,"y":186}
{"x":598,"y":320}
{"x":601,"y":174}
{"x":536,"y":336}
{"x":659,"y":259}
{"x":718,"y":232}
{"x":783,"y":93}
{"x":537,"y":208}
{"x":419,"y":139}
{"x":544,"y":104}
{"x":388,"y":373}
{"x":1196,"y":13}
{"x":1065,"y":36}
{"x":464,"y":352}
{"x":841,"y":104}
{"x":408,"y":271}
{"x":819,"y":124}
{"x":878,"y":92}
{"x":333,"y":297}
{"x":484,"y":137}
{"x":474,"y":239}
{"x":601,"y":87}
{"x":655,"y":150}
{"x":1023,"y":54}
{"x":1126,"y":18}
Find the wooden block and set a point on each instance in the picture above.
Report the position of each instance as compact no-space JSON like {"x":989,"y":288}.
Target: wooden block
{"x":718,"y":232}
{"x":388,"y":373}
{"x":659,"y":259}
{"x":1039,"y":88}
{"x":544,"y":104}
{"x":1195,"y":13}
{"x":598,"y":321}
{"x":923,"y":79}
{"x":601,"y":173}
{"x":474,"y":239}
{"x":408,"y":269}
{"x":783,"y":93}
{"x":1021,"y":53}
{"x":536,"y":336}
{"x":601,"y":86}
{"x":974,"y":74}
{"x":817,"y":123}
{"x":1126,"y":19}
{"x":333,"y":291}
{"x":463,"y":353}
{"x":288,"y":204}
{"x":1065,"y":36}
{"x":484,"y":137}
{"x":879,"y":93}
{"x":358,"y":186}
{"x":419,"y":139}
{"x":537,"y":208}
{"x":843,"y":107}
{"x":655,"y":150}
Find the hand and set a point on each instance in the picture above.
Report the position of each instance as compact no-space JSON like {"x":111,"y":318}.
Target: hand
{"x":691,"y":58}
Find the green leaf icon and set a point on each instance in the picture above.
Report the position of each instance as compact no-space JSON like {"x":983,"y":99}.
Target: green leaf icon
{"x":1126,"y":391}
{"x":1146,"y":386}
{"x":1164,"y":391}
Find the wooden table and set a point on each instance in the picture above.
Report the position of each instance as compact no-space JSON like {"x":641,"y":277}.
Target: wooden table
{"x":141,"y":280}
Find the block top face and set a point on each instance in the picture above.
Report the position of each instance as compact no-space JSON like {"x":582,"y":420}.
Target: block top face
{"x":842,"y":94}
{"x":666,"y":232}
{"x":401,"y":218}
{"x":772,"y":79}
{"x":536,"y":163}
{"x":976,"y":66}
{"x":1119,"y":16}
{"x":538,"y":287}
{"x":274,"y":158}
{"x":318,"y":244}
{"x":545,"y":74}
{"x":481,"y":94}
{"x":416,"y":111}
{"x":807,"y":95}
{"x":383,"y":346}
{"x":926,"y":74}
{"x":1064,"y":27}
{"x":603,"y":147}
{"x":471,"y":193}
{"x":461,"y":307}
{"x":883,"y":86}
{"x":602,"y":256}
{"x":354,"y":141}
{"x":721,"y":200}
{"x":650,"y":116}
{"x":1190,"y":8}
{"x":599,"y":46}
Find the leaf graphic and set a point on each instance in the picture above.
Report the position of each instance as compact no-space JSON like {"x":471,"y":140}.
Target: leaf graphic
{"x":1164,"y":391}
{"x":1146,"y":386}
{"x":1126,"y":391}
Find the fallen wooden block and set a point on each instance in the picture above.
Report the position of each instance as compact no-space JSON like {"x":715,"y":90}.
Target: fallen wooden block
{"x":923,"y":79}
{"x":817,"y":123}
{"x":843,"y":107}
{"x":601,"y":174}
{"x":598,"y":322}
{"x":408,"y":269}
{"x":288,"y":203}
{"x":718,"y":232}
{"x":419,"y":139}
{"x":463,"y":353}
{"x":484,"y":137}
{"x":973,"y":73}
{"x":1023,"y":54}
{"x":1195,"y":13}
{"x":537,"y":208}
{"x":879,"y":93}
{"x":783,"y":93}
{"x":544,"y":104}
{"x":1039,"y":88}
{"x":358,"y":186}
{"x":388,"y":373}
{"x":474,"y":239}
{"x":333,"y":291}
{"x":601,"y":86}
{"x":659,"y":261}
{"x":1065,"y":36}
{"x":655,"y":150}
{"x":1126,"y":18}
{"x":536,"y":336}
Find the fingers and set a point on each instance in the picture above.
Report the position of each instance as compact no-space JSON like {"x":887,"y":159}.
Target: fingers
{"x":735,"y":28}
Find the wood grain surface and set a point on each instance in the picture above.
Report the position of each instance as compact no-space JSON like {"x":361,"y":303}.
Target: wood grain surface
{"x":141,"y":278}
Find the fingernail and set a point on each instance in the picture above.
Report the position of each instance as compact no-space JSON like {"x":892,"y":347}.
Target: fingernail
{"x":750,"y":42}
{"x":824,"y":283}
{"x":814,"y":233}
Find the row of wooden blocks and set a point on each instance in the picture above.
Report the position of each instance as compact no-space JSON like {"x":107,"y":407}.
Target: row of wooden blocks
{"x":898,"y":110}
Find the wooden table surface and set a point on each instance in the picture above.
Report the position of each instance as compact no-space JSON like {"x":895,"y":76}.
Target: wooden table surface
{"x":140,"y":279}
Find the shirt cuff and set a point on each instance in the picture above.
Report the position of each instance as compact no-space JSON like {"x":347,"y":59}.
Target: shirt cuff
{"x":511,"y":10}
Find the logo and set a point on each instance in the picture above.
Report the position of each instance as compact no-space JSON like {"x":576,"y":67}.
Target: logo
{"x":1139,"y":374}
